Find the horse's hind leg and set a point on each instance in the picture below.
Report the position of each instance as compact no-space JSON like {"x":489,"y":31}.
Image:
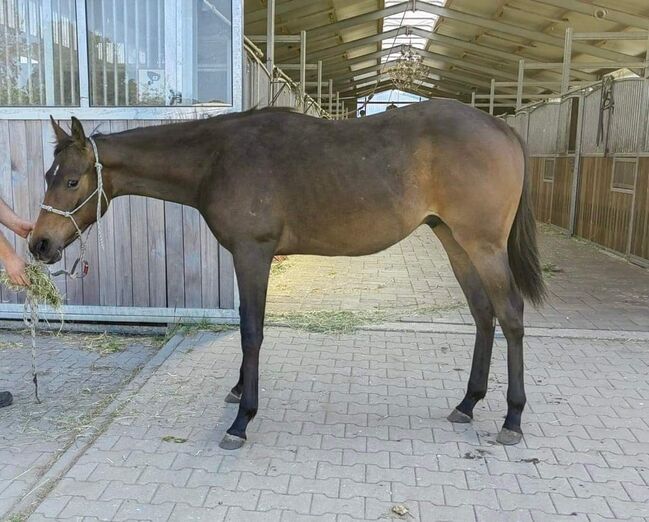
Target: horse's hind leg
{"x":483,"y":315}
{"x":492,"y":263}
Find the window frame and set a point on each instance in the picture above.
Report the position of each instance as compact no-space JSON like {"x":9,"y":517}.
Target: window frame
{"x":88,"y":112}
{"x":554,"y":166}
{"x":623,"y":159}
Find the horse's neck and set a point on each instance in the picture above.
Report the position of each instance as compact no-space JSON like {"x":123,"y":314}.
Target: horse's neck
{"x":151,"y":166}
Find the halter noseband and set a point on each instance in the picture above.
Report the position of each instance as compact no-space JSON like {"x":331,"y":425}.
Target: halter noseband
{"x":100,"y":193}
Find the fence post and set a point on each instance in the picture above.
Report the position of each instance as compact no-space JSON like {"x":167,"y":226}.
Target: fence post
{"x":320,"y":83}
{"x":567,"y":57}
{"x":572,"y":223}
{"x":519,"y":84}
{"x":491,"y":96}
{"x":303,"y":70}
{"x":331,"y":97}
{"x":270,"y":48}
{"x":472,"y":98}
{"x":646,"y":66}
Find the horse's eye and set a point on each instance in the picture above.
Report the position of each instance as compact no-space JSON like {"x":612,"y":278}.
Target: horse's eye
{"x":73,"y":183}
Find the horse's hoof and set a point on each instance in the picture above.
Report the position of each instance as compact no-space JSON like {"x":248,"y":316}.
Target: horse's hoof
{"x":231,"y":442}
{"x":457,"y":417}
{"x":233,"y":398}
{"x":508,"y":437}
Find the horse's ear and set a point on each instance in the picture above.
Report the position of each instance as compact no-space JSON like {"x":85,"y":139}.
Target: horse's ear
{"x":78,"y":133}
{"x":61,"y":135}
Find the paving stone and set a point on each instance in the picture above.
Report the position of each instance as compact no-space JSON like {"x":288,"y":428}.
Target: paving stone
{"x":183,"y":513}
{"x":350,"y":424}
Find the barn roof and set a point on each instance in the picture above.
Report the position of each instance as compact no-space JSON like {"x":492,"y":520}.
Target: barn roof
{"x":465,"y":43}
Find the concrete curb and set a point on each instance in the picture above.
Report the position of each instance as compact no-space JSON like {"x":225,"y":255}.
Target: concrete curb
{"x":469,"y":329}
{"x":72,"y":453}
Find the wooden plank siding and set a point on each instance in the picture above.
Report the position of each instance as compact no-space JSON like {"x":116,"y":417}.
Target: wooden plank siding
{"x":155,"y":254}
{"x":614,"y":217}
{"x":603,"y":215}
{"x":541,"y":190}
{"x":562,"y":192}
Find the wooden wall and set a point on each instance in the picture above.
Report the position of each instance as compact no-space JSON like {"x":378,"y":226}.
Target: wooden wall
{"x":552,"y":198}
{"x":617,"y":219}
{"x":156,"y":254}
{"x":603,"y":215}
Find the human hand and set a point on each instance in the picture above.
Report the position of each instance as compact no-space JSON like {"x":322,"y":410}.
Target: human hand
{"x":21,"y":227}
{"x":15,"y":268}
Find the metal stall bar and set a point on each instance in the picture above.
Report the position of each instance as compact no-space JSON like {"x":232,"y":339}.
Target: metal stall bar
{"x":519,"y":84}
{"x":567,"y":58}
{"x":572,"y":222}
{"x":492,"y":94}
{"x":115,"y":57}
{"x":28,"y":35}
{"x":72,"y":32}
{"x":331,"y":97}
{"x":303,"y":70}
{"x":126,"y":21}
{"x":646,"y":67}
{"x":270,"y":48}
{"x":319,"y":96}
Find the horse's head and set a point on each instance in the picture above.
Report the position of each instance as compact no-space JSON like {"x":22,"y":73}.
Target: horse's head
{"x":70,"y":200}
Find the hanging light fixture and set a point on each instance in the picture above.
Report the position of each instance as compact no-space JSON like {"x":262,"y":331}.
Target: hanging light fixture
{"x":408,"y":69}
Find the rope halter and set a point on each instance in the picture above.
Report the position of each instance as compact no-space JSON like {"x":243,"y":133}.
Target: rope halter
{"x":100,"y":193}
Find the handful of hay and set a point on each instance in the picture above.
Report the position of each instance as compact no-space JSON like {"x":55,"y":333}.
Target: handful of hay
{"x":41,"y":289}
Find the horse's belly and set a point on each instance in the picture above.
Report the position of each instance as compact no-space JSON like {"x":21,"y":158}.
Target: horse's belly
{"x":357,"y":237}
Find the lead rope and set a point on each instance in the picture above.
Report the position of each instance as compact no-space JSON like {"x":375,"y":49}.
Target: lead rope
{"x":30,"y":313}
{"x":30,"y":318}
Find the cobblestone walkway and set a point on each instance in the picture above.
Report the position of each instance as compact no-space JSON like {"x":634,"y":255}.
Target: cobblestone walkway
{"x":78,"y":376}
{"x":352,"y":425}
{"x":413,"y":281}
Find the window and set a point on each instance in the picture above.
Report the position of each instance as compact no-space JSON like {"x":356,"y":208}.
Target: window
{"x":624,"y":175}
{"x":157,"y":52}
{"x":548,"y":170}
{"x":139,"y":53}
{"x":38,"y":53}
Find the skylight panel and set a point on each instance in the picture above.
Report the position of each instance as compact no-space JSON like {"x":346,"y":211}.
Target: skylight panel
{"x":419,"y":19}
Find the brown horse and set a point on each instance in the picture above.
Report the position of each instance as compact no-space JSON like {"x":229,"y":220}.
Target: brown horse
{"x":276,"y":182}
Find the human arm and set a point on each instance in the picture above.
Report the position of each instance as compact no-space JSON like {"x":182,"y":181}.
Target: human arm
{"x":14,"y":222}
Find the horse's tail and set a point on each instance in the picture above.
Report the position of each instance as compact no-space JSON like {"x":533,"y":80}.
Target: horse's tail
{"x":522,"y":246}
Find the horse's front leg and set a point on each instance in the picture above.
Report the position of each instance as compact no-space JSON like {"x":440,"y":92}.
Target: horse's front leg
{"x":252,"y":262}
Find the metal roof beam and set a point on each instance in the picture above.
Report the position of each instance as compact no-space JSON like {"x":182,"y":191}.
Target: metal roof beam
{"x":366,"y":90}
{"x":470,"y":68}
{"x":450,"y":75}
{"x":337,"y":50}
{"x":466,"y":18}
{"x":281,"y":9}
{"x":515,"y":30}
{"x":359,"y":20}
{"x":612,"y":15}
{"x":444,"y":40}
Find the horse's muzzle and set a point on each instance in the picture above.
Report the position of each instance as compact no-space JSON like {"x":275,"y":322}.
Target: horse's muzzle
{"x":45,"y":250}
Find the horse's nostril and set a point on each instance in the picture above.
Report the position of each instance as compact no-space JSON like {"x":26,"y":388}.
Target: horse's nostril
{"x":42,"y":246}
